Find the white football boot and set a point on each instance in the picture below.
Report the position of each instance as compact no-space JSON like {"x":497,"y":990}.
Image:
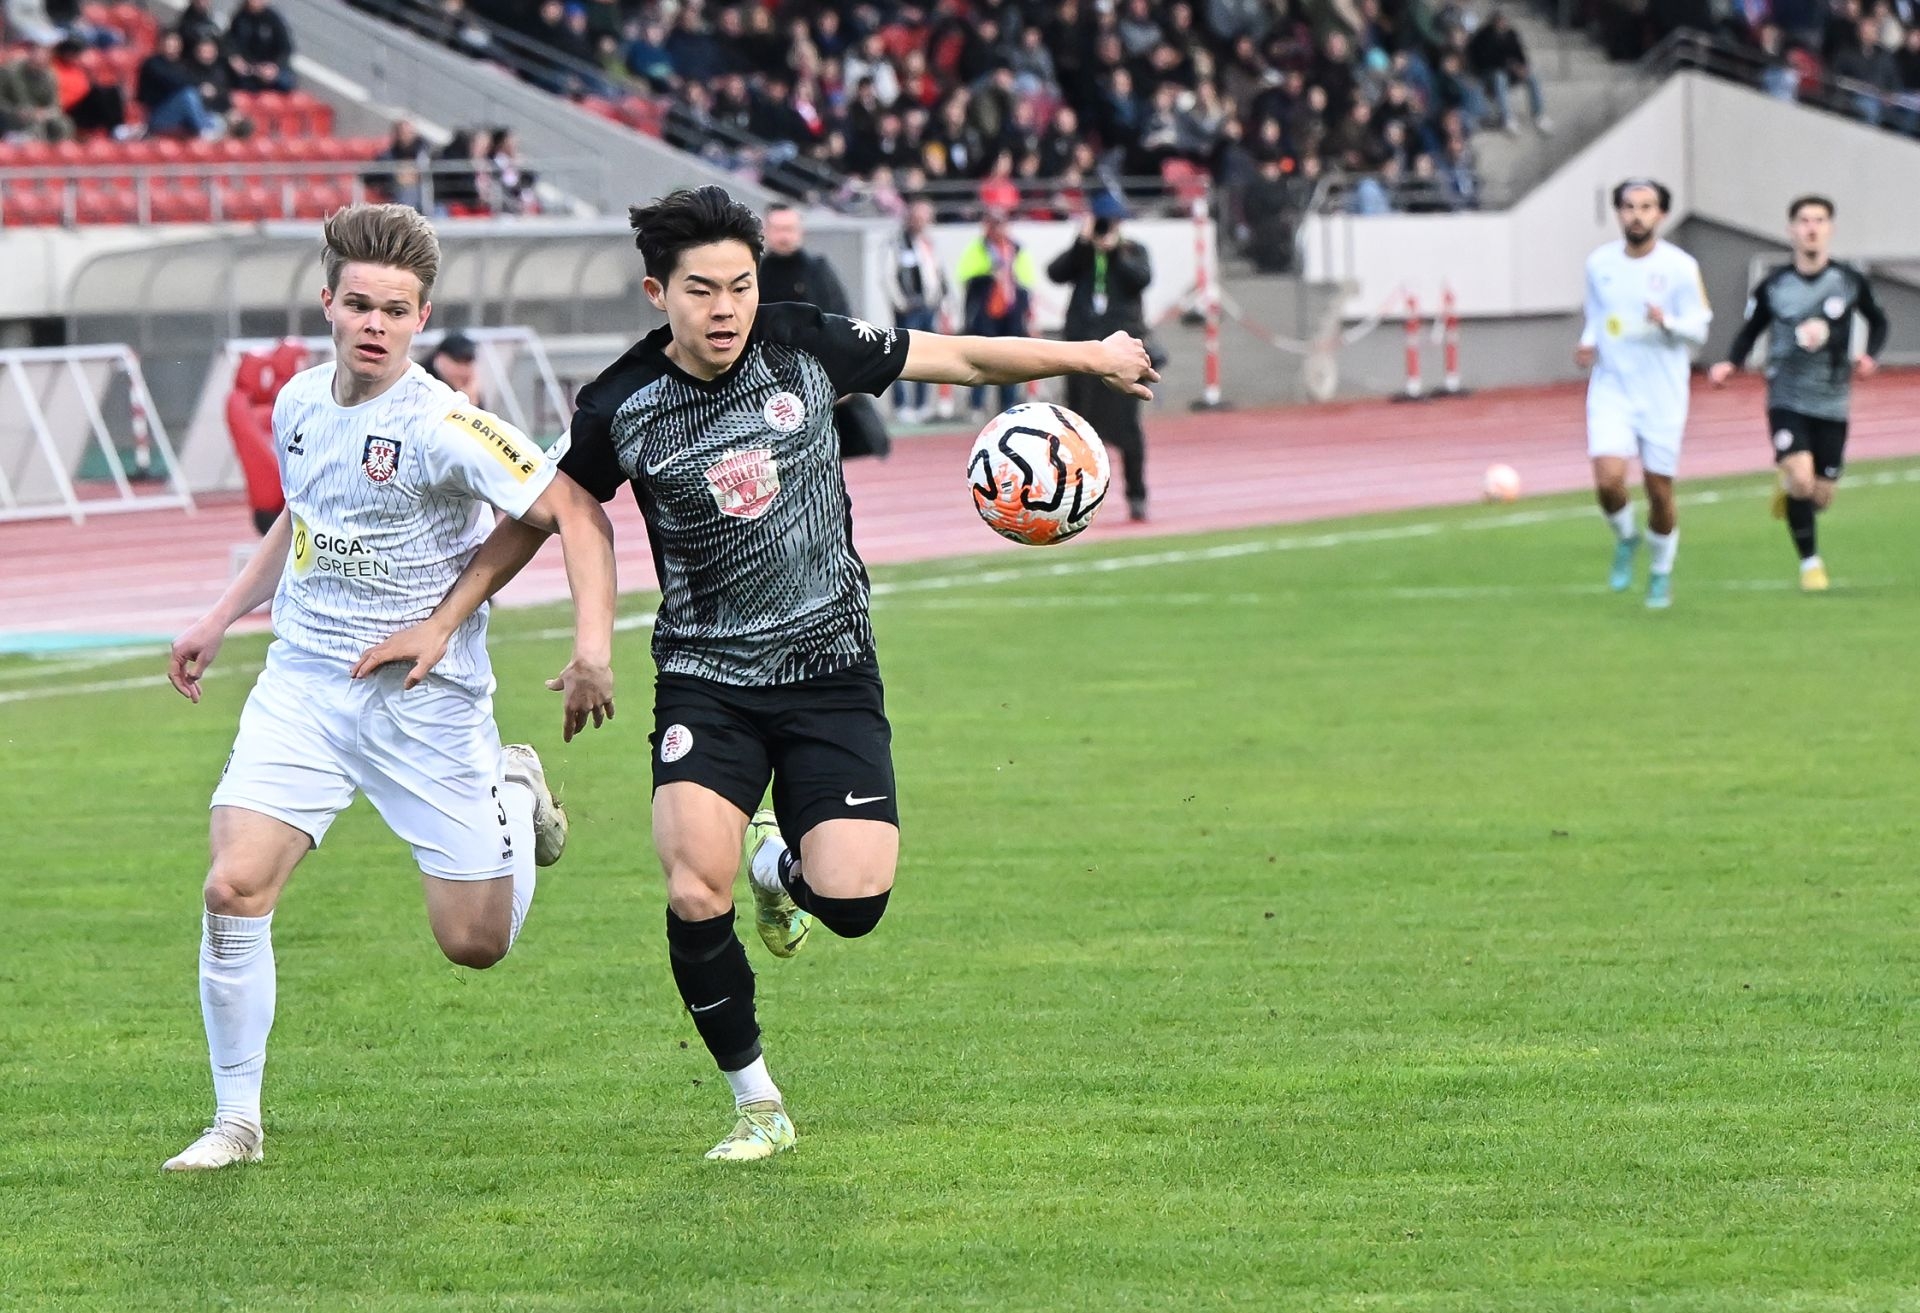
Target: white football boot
{"x":221,"y":1145}
{"x":549,"y":817}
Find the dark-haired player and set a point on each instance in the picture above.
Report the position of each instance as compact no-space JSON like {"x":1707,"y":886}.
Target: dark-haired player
{"x":722,"y":422}
{"x":1645,"y":310}
{"x":1809,"y":303}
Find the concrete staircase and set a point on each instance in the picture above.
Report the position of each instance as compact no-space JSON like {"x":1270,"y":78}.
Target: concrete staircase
{"x":1584,"y":93}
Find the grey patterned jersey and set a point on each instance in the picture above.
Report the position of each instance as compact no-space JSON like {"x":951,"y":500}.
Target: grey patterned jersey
{"x":739,"y":480}
{"x":1808,"y":369}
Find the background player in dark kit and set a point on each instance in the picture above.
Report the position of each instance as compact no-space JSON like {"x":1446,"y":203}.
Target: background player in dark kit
{"x":722,"y":423}
{"x":1809,"y":303}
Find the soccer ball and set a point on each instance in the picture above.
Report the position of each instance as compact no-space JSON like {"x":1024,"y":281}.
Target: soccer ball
{"x":1038,"y":472}
{"x":1503,"y":483}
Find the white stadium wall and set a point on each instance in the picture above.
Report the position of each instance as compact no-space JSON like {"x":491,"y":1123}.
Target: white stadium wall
{"x":1698,"y":135}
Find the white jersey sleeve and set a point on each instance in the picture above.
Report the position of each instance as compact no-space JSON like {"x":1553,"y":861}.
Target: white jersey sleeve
{"x":474,"y":453}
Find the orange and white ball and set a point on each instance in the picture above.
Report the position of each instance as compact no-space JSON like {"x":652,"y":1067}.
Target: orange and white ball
{"x":1038,"y":472}
{"x":1502,"y":483}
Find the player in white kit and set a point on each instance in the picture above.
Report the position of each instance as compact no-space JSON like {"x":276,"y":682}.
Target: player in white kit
{"x":1646,"y":311}
{"x":392,"y":480}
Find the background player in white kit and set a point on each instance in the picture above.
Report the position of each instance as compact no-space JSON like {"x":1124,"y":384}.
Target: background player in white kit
{"x":1646,"y":312}
{"x":391,"y":481}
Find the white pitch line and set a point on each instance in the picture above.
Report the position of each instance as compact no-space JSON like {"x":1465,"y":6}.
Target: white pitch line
{"x":1107,"y":564}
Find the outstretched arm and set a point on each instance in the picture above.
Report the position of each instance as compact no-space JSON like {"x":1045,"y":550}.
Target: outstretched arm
{"x":194,"y":650}
{"x":1120,"y":361}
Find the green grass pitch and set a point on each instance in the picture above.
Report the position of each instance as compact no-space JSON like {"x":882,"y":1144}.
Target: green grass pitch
{"x":1372,"y":915}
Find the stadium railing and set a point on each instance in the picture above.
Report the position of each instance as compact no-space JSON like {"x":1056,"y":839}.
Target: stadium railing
{"x":253,"y":191}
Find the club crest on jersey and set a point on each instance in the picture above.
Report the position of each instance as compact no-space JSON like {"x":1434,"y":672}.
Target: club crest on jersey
{"x":744,"y":483}
{"x":784,"y":412}
{"x":1834,"y":307}
{"x":380,"y":458}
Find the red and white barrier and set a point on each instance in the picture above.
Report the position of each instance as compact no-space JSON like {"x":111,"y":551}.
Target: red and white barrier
{"x":1413,"y":390}
{"x":1206,"y":288}
{"x":1450,"y":337}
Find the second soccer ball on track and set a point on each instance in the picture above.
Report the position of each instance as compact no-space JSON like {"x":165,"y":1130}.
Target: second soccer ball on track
{"x":1503,"y":483}
{"x":1038,"y":472}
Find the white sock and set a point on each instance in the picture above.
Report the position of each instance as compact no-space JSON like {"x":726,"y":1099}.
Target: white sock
{"x":1812,"y":563}
{"x":1661,"y":548}
{"x":237,"y":987}
{"x":1622,"y":522}
{"x":517,"y":798}
{"x":766,"y":865}
{"x":751,"y":1084}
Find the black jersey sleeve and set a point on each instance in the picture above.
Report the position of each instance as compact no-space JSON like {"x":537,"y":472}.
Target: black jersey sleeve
{"x":858,"y":356}
{"x":589,"y":458}
{"x":1876,"y":317}
{"x":1759,"y":315}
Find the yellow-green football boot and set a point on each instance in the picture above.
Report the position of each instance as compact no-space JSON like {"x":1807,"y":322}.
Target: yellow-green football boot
{"x":763,"y":1130}
{"x":783,"y":926}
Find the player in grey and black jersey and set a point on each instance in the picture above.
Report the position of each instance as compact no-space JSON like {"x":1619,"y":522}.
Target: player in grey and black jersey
{"x":1809,"y":305}
{"x":722,"y":424}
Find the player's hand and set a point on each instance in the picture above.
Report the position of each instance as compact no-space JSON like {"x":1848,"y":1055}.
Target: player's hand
{"x":192,"y":653}
{"x":1125,"y":366}
{"x":1584,"y":355}
{"x":422,"y":646}
{"x":588,"y":686}
{"x":1656,"y":316}
{"x":1865,"y":367}
{"x":1719,"y":374}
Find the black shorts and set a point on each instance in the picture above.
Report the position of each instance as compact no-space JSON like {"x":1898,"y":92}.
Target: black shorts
{"x":824,"y":743}
{"x":1825,"y":438}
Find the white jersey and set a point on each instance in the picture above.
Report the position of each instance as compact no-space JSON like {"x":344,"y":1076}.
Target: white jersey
{"x":1641,"y":372}
{"x":389,"y":501}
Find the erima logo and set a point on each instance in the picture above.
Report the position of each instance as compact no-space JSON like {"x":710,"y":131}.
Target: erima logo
{"x":294,"y":448}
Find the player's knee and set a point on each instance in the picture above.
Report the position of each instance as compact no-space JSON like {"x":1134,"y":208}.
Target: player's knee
{"x":1822,"y":496}
{"x":475,"y":946}
{"x":698,"y":895}
{"x":233,"y":890}
{"x":1801,"y":485}
{"x":850,"y":918}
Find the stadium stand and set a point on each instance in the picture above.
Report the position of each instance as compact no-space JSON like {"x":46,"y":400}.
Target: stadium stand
{"x":150,"y":129}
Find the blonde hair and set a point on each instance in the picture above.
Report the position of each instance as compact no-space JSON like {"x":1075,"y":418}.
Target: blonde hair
{"x":397,"y":236}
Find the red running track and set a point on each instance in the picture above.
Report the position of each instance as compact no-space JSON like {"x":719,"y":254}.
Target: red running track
{"x":149,"y":575}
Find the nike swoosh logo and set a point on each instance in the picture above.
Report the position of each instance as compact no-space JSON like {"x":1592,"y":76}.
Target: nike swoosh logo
{"x":655,"y":469}
{"x":709,"y":1006}
{"x":857,"y":802}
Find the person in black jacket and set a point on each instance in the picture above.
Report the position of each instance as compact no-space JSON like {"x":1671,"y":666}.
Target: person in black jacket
{"x":260,"y":49}
{"x":1109,"y":274}
{"x":789,"y":273}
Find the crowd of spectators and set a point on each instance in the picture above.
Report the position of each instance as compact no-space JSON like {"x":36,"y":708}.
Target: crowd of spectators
{"x":184,"y":86}
{"x":1862,"y":59}
{"x":906,"y":96}
{"x":477,"y":172}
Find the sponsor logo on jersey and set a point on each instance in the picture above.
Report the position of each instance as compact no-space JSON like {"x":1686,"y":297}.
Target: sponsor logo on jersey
{"x":744,"y":483}
{"x":336,"y":555}
{"x":1812,"y":334}
{"x":1834,"y":306}
{"x":380,"y":459}
{"x":1615,"y":326}
{"x":784,"y":412}
{"x":676,"y":741}
{"x":508,"y":447}
{"x":869,"y":333}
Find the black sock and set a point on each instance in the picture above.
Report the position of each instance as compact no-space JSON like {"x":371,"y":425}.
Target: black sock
{"x":1800,"y":525}
{"x":716,"y":984}
{"x":847,"y":917}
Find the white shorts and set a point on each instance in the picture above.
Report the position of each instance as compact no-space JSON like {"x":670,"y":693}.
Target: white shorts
{"x":428,"y":759}
{"x":1620,"y":433}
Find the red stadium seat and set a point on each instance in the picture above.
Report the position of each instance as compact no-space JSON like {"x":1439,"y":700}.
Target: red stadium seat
{"x":182,"y":205}
{"x":96,"y":204}
{"x":247,"y":204}
{"x":319,"y":202}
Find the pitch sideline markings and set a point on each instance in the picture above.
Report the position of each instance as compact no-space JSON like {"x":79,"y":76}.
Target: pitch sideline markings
{"x":1095,"y":565}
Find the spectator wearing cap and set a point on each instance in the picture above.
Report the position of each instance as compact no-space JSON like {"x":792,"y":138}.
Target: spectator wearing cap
{"x":997,"y":275}
{"x":452,"y":362}
{"x":1109,"y":274}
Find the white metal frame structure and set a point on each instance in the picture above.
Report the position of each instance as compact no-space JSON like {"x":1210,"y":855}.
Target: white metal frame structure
{"x":51,"y":418}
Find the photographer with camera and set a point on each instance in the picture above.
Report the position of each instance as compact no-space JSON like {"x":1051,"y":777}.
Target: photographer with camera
{"x":1109,"y":274}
